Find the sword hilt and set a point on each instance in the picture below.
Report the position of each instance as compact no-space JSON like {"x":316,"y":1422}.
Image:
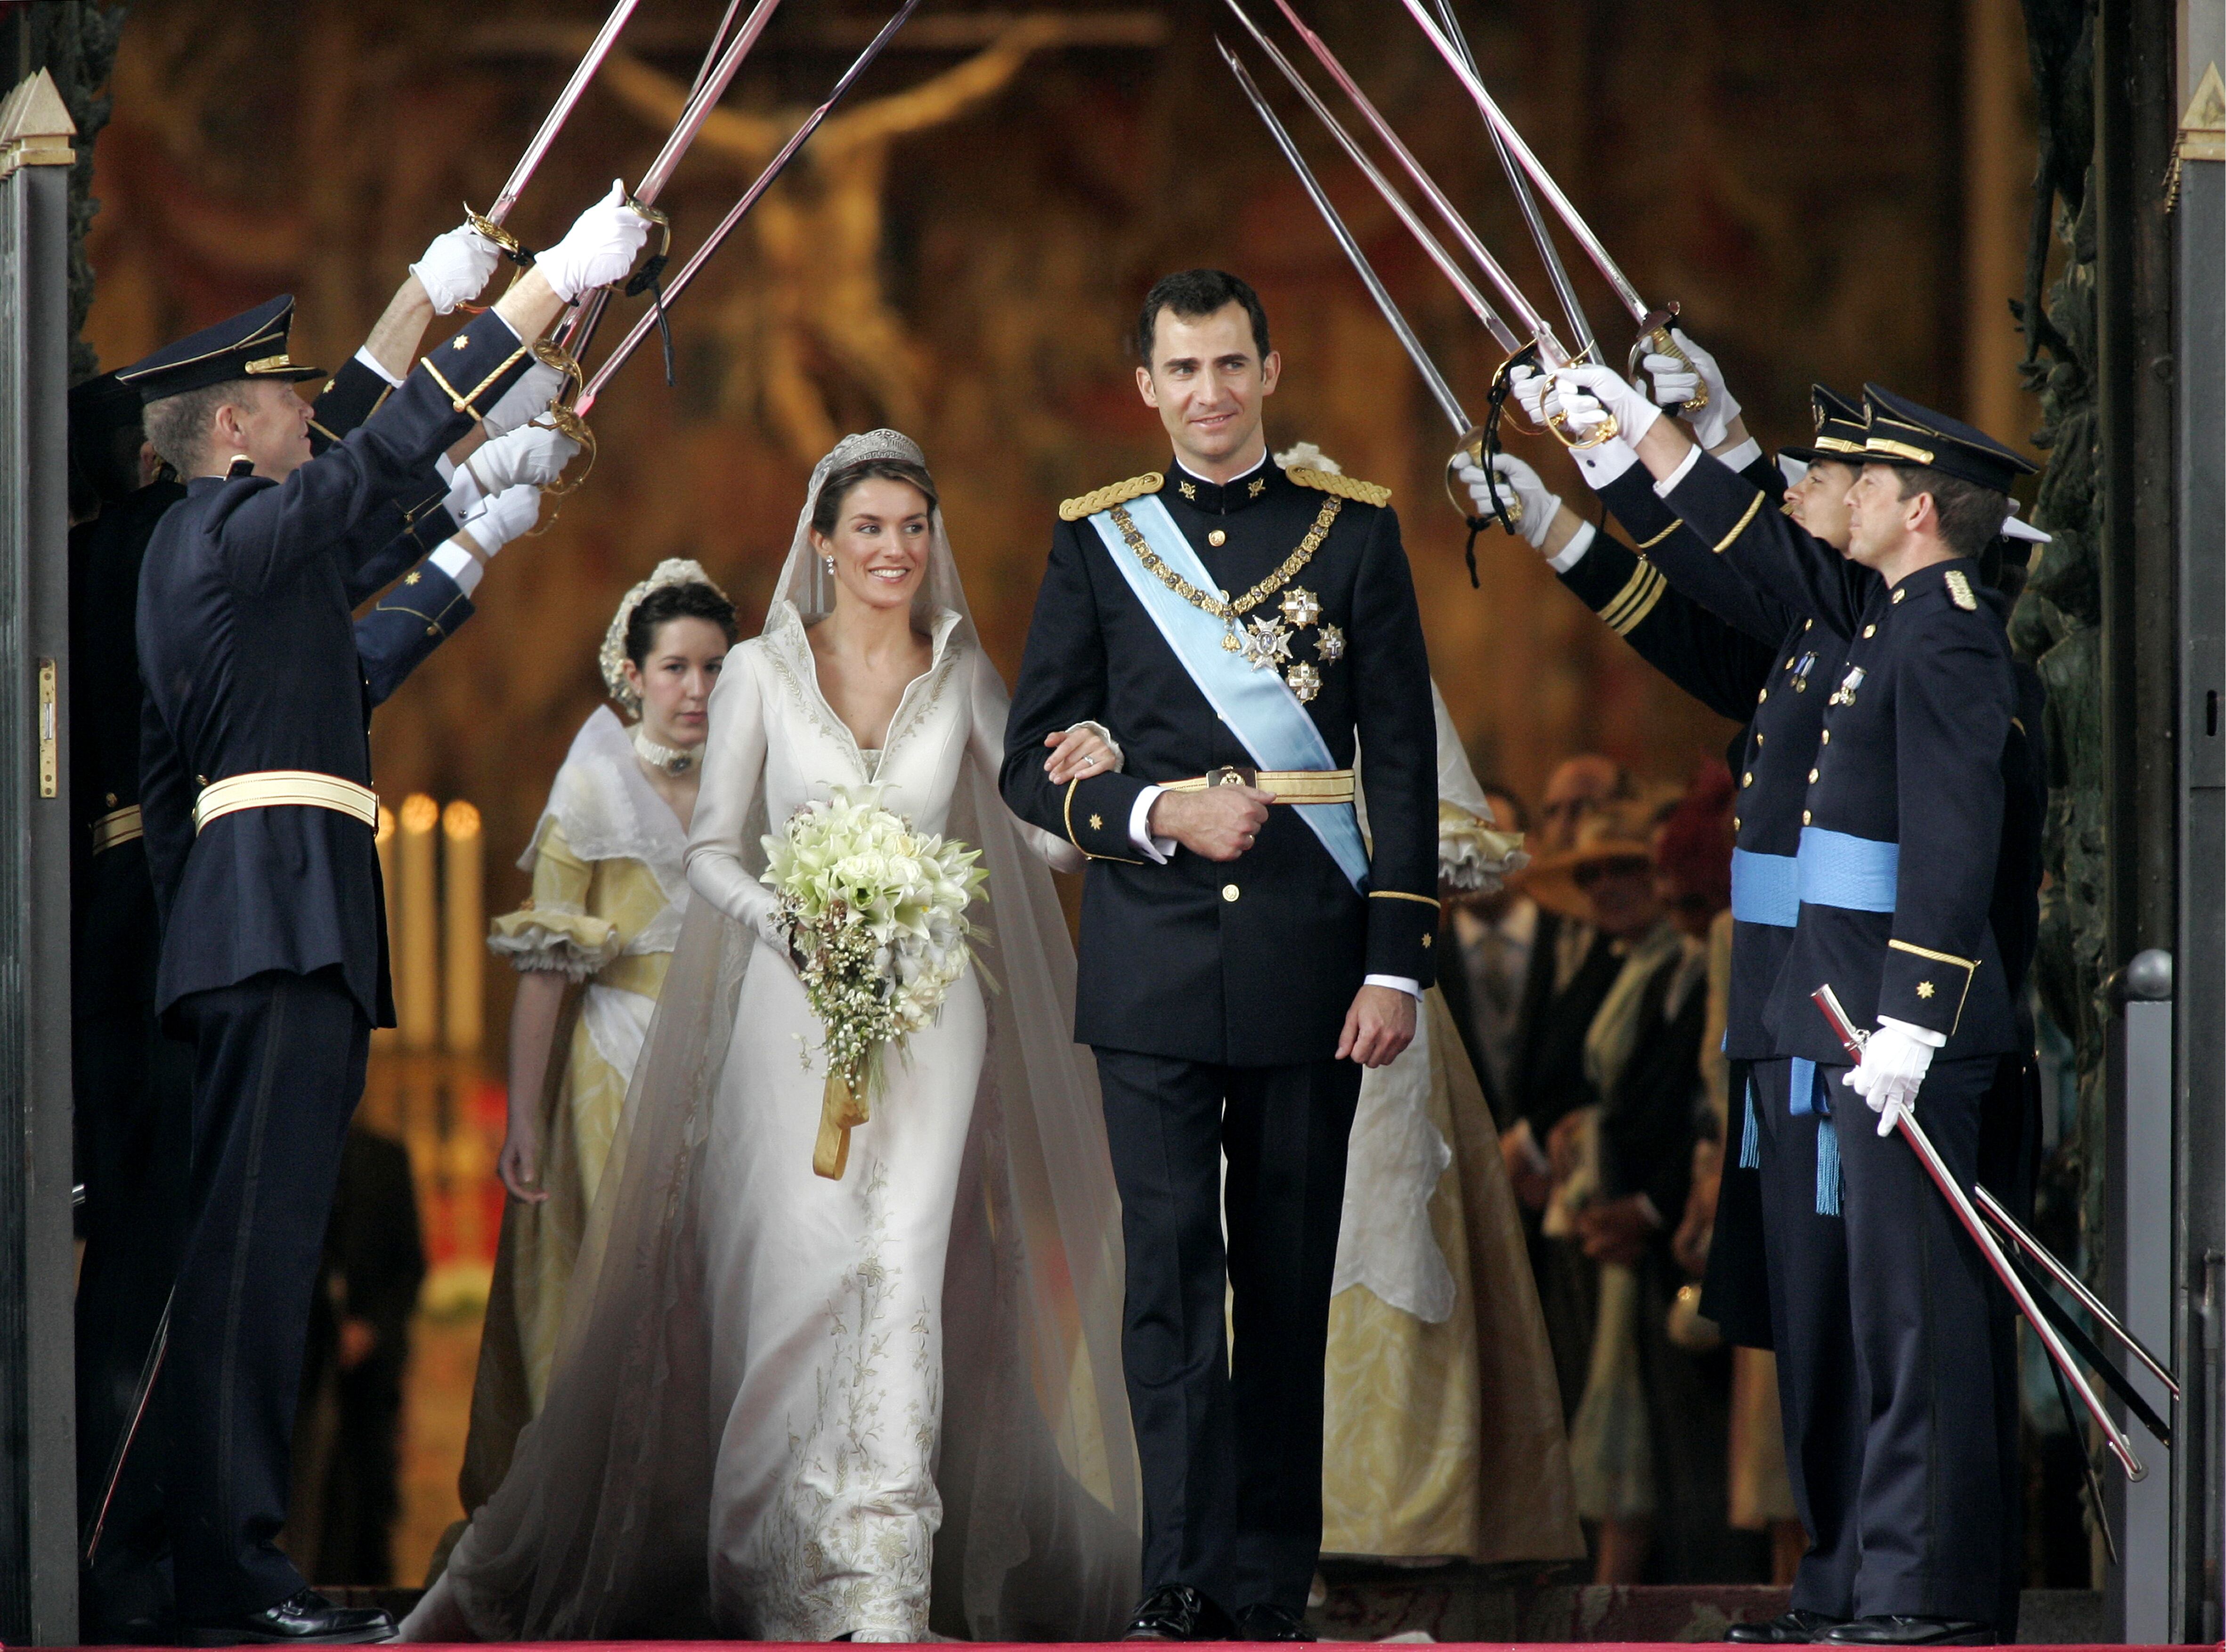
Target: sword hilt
{"x":1656,"y":340}
{"x":1527,"y":356}
{"x":513,"y":249}
{"x":1473,"y":446}
{"x":653,"y":265}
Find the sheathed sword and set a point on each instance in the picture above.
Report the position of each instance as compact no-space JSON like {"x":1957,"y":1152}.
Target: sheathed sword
{"x":632,"y":342}
{"x":141,"y":1392}
{"x":1472,"y":436}
{"x":1852,"y":1039}
{"x":1527,"y":316}
{"x":1654,"y":323}
{"x":1565,"y":292}
{"x":489,"y":224}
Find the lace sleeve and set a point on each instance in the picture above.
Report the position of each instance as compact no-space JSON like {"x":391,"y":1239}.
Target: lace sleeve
{"x":554,"y":931}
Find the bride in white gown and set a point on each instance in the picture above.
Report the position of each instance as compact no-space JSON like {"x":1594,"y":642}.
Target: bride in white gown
{"x":793,"y":1408}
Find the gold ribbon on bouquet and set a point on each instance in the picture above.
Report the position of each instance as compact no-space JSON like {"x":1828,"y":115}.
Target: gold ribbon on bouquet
{"x":841,"y":1108}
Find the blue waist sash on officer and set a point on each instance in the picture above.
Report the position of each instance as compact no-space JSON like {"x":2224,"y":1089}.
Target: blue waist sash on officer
{"x":1765,"y":888}
{"x":1256,"y":704}
{"x":1857,"y":874}
{"x":285,"y":788}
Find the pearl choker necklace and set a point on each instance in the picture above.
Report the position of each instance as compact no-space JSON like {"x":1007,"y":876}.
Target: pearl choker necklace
{"x":669,"y":759}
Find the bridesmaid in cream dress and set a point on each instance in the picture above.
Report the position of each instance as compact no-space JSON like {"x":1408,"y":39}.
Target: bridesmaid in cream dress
{"x":590,"y":944}
{"x":750,"y":1431}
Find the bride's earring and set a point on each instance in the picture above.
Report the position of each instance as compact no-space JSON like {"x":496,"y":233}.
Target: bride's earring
{"x":829,"y":560}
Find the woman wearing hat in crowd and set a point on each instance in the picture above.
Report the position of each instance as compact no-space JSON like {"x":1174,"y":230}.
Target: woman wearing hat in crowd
{"x":590,"y":945}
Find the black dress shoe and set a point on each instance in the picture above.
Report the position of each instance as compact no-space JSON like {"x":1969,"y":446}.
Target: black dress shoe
{"x":1175,"y":1611}
{"x":1798,"y":1626}
{"x":303,"y":1618}
{"x":1895,"y":1631}
{"x":1268,"y":1622}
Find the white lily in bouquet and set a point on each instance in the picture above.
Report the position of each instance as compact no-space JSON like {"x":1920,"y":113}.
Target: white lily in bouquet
{"x":875,"y":915}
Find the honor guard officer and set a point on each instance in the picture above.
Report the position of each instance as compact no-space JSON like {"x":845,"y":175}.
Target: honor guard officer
{"x":133,"y":1085}
{"x":1782,"y":1196}
{"x":259,"y":822}
{"x":1244,"y":952}
{"x":1917,"y":734}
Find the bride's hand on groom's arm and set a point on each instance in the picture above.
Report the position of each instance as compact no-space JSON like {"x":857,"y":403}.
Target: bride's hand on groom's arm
{"x":1380,"y":1025}
{"x":1220,"y":823}
{"x":1079,"y":753}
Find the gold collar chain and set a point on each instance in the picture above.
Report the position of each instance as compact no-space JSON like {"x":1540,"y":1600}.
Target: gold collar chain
{"x":1267,"y":643}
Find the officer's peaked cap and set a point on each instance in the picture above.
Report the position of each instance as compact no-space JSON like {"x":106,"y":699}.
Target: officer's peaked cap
{"x":252,"y":344}
{"x":1899,"y":432}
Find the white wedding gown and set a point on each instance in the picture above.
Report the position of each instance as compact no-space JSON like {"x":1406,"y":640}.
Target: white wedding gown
{"x":791,"y":1409}
{"x":826,"y":1328}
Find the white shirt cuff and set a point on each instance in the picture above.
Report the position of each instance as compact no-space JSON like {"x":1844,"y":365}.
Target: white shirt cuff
{"x":1573,"y":552}
{"x":1685,"y":469}
{"x":1740,"y":457}
{"x":1923,"y":1035}
{"x":1156,"y":849}
{"x":1397,"y":984}
{"x":1603,"y":464}
{"x":373,"y":362}
{"x":459,"y":565}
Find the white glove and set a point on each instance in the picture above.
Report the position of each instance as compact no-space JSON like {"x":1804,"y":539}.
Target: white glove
{"x":1895,"y":1060}
{"x":456,"y":267}
{"x":1675,"y":383}
{"x":1588,"y":396}
{"x":1528,"y":385}
{"x":1539,"y":507}
{"x":597,"y":250}
{"x":769,"y":929}
{"x":502,"y":517}
{"x":523,"y":401}
{"x":532,"y":453}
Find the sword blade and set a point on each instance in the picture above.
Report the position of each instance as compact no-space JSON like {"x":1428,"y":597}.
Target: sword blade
{"x":1479,"y":305}
{"x":1565,"y":292}
{"x":633,"y":340}
{"x":1530,"y":163}
{"x":697,"y":109}
{"x":2023,"y":1239}
{"x":559,"y":112}
{"x":1441,"y":391}
{"x":711,"y":52}
{"x":1525,"y":313}
{"x":1966,"y":1213}
{"x":148,"y":1370}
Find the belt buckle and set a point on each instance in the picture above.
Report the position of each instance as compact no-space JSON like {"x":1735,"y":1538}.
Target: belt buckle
{"x":1230,"y":774}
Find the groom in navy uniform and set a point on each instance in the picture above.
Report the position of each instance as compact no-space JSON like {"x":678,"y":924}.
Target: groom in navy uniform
{"x":1245,"y":951}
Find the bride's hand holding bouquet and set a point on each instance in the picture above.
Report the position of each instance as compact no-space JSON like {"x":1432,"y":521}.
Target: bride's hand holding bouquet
{"x":874,"y":915}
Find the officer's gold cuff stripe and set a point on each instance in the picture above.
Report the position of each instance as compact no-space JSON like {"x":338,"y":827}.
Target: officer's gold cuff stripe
{"x":1936,"y":957}
{"x":282,"y":788}
{"x":1068,"y":816}
{"x":1676,"y":523}
{"x":117,"y":827}
{"x":1723,"y":544}
{"x":1401,"y":895}
{"x":1636,"y":601}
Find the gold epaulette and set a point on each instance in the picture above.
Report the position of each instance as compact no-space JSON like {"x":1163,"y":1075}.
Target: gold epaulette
{"x":1959,"y":591}
{"x":1103,"y":499}
{"x":1345,"y":487}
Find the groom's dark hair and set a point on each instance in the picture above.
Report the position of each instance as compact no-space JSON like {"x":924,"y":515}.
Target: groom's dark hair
{"x":1194,"y":295}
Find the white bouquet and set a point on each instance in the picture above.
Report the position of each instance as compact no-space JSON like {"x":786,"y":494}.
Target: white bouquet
{"x":875,"y":913}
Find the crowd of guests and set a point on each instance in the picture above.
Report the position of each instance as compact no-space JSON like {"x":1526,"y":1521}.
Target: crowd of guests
{"x":1590,"y":992}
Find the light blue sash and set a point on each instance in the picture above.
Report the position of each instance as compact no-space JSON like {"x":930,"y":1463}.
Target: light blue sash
{"x":1255,"y":702}
{"x":1860,"y":875}
{"x":1766,"y":889}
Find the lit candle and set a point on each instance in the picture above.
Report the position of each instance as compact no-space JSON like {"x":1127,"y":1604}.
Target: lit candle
{"x":463,"y":923}
{"x":417,"y":982}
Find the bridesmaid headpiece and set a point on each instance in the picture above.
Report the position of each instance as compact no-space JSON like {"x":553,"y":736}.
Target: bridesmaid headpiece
{"x":673,"y":570}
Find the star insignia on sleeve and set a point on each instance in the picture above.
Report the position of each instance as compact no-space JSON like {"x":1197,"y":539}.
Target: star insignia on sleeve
{"x":1302,"y":608}
{"x":412,"y":577}
{"x":1924,"y":989}
{"x":1329,"y":644}
{"x":1097,"y":823}
{"x":1305,"y":681}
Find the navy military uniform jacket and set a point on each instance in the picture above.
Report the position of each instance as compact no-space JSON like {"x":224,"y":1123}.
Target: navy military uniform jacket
{"x":1254,"y":961}
{"x":251,"y":663}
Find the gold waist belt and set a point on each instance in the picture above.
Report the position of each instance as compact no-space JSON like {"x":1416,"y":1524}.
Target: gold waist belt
{"x":1287,"y":785}
{"x":285,"y":788}
{"x":117,"y":828}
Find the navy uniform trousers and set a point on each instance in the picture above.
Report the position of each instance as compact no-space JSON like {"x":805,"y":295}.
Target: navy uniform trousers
{"x":1896,"y":1357}
{"x":279,"y":1066}
{"x":1232,"y":1455}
